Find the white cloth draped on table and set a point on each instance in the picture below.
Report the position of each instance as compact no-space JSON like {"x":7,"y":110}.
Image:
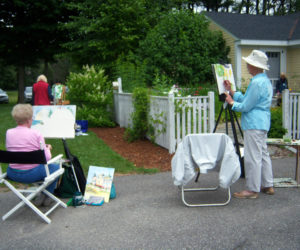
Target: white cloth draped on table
{"x":206,"y":151}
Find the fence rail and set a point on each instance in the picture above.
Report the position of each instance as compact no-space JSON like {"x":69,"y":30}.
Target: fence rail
{"x":291,"y":113}
{"x":175,"y":117}
{"x":172,"y":117}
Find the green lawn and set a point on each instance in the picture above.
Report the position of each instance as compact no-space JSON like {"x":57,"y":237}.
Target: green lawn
{"x":90,"y":150}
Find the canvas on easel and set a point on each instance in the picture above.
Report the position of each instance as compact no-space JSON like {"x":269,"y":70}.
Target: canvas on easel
{"x":55,"y":121}
{"x":223,"y":72}
{"x":99,"y":182}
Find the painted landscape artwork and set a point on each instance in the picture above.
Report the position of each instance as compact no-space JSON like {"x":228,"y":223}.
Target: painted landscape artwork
{"x":99,"y":182}
{"x":223,"y":72}
{"x":55,"y":121}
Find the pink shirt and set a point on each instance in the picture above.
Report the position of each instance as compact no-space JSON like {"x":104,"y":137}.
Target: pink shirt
{"x":25,"y":139}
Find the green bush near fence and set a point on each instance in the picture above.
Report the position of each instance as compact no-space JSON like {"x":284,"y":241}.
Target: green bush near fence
{"x":140,"y":115}
{"x":276,"y":130}
{"x":92,"y":93}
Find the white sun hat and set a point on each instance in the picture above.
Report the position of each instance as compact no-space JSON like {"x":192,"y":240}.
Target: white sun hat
{"x":257,"y":59}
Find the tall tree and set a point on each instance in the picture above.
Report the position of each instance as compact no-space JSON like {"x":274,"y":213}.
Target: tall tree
{"x":264,"y":7}
{"x":257,"y":9}
{"x":214,"y":5}
{"x":29,"y":33}
{"x":105,"y":30}
{"x":182,"y":48}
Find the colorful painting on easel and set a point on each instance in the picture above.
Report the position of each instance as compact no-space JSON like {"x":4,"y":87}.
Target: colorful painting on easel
{"x":55,"y":121}
{"x":223,"y":72}
{"x":99,"y":182}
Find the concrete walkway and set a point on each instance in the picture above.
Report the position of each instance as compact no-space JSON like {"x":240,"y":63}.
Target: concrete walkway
{"x":148,"y":214}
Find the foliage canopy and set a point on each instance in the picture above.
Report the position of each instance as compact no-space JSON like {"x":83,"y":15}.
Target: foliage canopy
{"x":30,"y":33}
{"x":104,"y":30}
{"x":182,"y":47}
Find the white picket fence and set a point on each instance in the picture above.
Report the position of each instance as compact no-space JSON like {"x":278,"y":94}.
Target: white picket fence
{"x":291,"y":113}
{"x":172,"y":117}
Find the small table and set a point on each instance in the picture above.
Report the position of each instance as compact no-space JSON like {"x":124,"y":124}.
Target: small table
{"x":287,"y":182}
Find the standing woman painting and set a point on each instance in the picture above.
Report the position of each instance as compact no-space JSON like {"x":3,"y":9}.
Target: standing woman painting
{"x":256,"y":118}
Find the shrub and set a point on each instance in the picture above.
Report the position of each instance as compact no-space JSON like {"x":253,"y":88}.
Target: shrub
{"x":276,"y":130}
{"x":92,"y":93}
{"x":141,"y":103}
{"x":131,"y":74}
{"x":161,"y":85}
{"x":181,"y":47}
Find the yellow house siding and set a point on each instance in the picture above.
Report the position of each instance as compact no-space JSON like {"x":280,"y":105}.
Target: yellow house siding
{"x":244,"y":72}
{"x":293,"y":68}
{"x":229,"y":42}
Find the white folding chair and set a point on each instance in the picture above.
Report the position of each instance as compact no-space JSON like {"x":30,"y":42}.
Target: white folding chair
{"x":26,"y":195}
{"x":205,"y":153}
{"x":213,"y":204}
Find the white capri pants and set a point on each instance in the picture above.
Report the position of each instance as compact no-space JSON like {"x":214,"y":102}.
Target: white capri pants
{"x":258,"y":165}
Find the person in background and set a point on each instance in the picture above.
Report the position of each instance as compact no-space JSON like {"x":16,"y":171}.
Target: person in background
{"x":281,"y":85}
{"x":256,"y":119}
{"x":58,"y":93}
{"x":41,"y":92}
{"x":23,"y":138}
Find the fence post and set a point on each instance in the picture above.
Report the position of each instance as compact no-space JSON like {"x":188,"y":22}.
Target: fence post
{"x":211,"y":116}
{"x":171,"y":123}
{"x":116,"y":106}
{"x":120,"y":85}
{"x":286,"y":119}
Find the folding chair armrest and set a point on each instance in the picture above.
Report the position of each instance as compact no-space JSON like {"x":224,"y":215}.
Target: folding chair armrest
{"x":55,"y":159}
{"x":2,"y":176}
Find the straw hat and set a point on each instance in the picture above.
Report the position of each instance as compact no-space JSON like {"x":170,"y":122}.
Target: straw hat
{"x":257,"y":59}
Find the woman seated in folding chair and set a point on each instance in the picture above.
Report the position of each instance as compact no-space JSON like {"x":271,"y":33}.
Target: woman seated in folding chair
{"x":23,"y":138}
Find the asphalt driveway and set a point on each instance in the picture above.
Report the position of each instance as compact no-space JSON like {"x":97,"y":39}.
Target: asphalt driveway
{"x":148,"y":214}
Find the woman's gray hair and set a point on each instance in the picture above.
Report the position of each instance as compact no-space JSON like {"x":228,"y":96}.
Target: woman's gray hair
{"x":42,"y":78}
{"x":22,"y":113}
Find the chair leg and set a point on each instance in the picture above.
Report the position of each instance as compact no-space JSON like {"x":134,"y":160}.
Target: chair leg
{"x":25,"y":200}
{"x":53,"y":197}
{"x":57,"y":202}
{"x":183,"y":190}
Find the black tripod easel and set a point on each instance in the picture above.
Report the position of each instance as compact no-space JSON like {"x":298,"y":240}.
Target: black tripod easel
{"x":75,"y":165}
{"x":233,"y":119}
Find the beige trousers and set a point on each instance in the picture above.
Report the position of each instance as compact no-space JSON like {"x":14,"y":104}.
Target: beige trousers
{"x":258,"y":165}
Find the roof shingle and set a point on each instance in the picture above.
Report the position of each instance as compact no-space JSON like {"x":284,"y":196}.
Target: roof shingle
{"x":258,"y":27}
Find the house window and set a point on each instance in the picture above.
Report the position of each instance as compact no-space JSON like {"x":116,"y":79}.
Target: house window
{"x":272,"y":54}
{"x":274,"y":69}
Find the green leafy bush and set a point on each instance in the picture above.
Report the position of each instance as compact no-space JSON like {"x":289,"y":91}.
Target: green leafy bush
{"x":141,"y":103}
{"x":161,"y":85}
{"x":276,"y":130}
{"x":92,"y":93}
{"x":181,"y":47}
{"x":131,"y":74}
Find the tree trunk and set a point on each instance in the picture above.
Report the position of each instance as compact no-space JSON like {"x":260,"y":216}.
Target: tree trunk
{"x":21,"y":80}
{"x":257,"y":7}
{"x":247,"y":6}
{"x":264,"y":7}
{"x":240,"y":7}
